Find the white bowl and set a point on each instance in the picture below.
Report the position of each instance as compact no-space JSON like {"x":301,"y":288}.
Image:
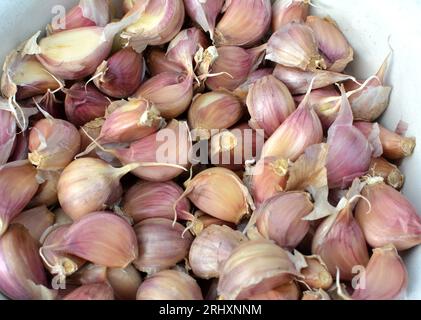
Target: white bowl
{"x":368,"y":25}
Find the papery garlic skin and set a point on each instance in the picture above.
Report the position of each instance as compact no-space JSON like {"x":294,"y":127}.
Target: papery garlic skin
{"x":295,"y":46}
{"x":269,"y":103}
{"x":220,"y":193}
{"x":211,"y":249}
{"x":91,"y":292}
{"x":7,"y":135}
{"x":340,"y":242}
{"x":332,"y":43}
{"x":385,"y":277}
{"x":88,"y":185}
{"x":244,"y":22}
{"x":166,"y":154}
{"x":286,"y":11}
{"x":281,"y":218}
{"x":125,"y":282}
{"x":17,"y":181}
{"x":36,"y":221}
{"x":255,"y":267}
{"x":159,"y":22}
{"x":214,"y":110}
{"x":157,"y":63}
{"x":316,"y":274}
{"x":162,"y":244}
{"x":121,"y":75}
{"x":89,"y":238}
{"x":53,"y":144}
{"x":21,"y":271}
{"x":169,"y":285}
{"x":204,"y":13}
{"x":154,"y":200}
{"x":170,"y":92}
{"x":287,"y":292}
{"x":203,"y":221}
{"x":390,"y":218}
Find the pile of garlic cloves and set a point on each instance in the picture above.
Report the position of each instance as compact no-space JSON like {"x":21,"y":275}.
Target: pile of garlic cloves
{"x":295,"y":197}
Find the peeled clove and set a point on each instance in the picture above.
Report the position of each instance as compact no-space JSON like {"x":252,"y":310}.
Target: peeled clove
{"x":17,"y":181}
{"x":390,"y":218}
{"x":121,"y":75}
{"x":162,"y":244}
{"x":164,"y":155}
{"x":47,"y":191}
{"x":269,"y":103}
{"x":220,"y":193}
{"x":395,"y":147}
{"x":147,"y":200}
{"x":53,"y":144}
{"x":7,"y":135}
{"x":214,"y":110}
{"x":87,"y":13}
{"x":391,"y":174}
{"x":298,"y":81}
{"x":92,"y":292}
{"x":212,"y":247}
{"x":385,"y":277}
{"x":336,"y":50}
{"x":244,"y":22}
{"x":295,"y":46}
{"x":169,"y":285}
{"x":340,"y":242}
{"x":204,"y":13}
{"x":232,"y":66}
{"x":287,"y":292}
{"x":170,"y":92}
{"x":255,"y":267}
{"x":281,"y":218}
{"x":88,"y":185}
{"x":300,"y":130}
{"x":234,"y":148}
{"x":22,"y":273}
{"x":84,"y":103}
{"x":125,"y":282}
{"x":287,"y":11}
{"x":158,"y":62}
{"x":158,"y":23}
{"x":36,"y":221}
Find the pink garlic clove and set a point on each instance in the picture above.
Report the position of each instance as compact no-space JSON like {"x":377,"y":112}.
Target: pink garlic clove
{"x":287,"y":11}
{"x":91,"y":292}
{"x":36,"y":221}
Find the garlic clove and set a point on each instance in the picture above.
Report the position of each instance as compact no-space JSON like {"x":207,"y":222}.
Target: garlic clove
{"x":125,"y":282}
{"x":214,"y":110}
{"x":53,"y":144}
{"x":243,"y":23}
{"x":99,"y":291}
{"x":255,"y":267}
{"x":21,"y":271}
{"x":61,"y":217}
{"x":162,"y":244}
{"x":18,"y":181}
{"x":169,"y":285}
{"x":211,"y":249}
{"x":86,"y":14}
{"x":269,"y":103}
{"x":298,"y":81}
{"x":89,"y":274}
{"x":47,"y":192}
{"x":157,"y":63}
{"x":158,"y":23}
{"x":287,"y":292}
{"x":331,"y":42}
{"x":7,"y":135}
{"x":121,"y":75}
{"x":170,"y":92}
{"x":221,"y":194}
{"x":390,"y":218}
{"x":316,"y":274}
{"x":391,"y":174}
{"x":385,"y":277}
{"x":281,"y":218}
{"x":295,"y":46}
{"x":204,"y":13}
{"x":286,"y":11}
{"x":88,"y":185}
{"x":242,"y":91}
{"x":165,"y":155}
{"x":84,"y":103}
{"x":36,"y":221}
{"x":147,"y":200}
{"x":395,"y":147}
